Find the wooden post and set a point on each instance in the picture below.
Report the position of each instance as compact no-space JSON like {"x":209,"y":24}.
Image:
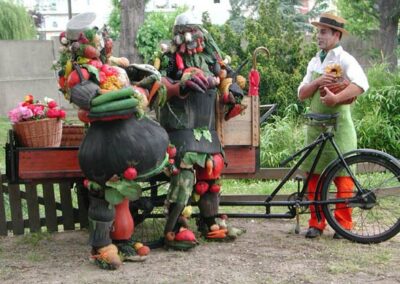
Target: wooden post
{"x":33,"y":207}
{"x":66,"y":206}
{"x":16,"y":209}
{"x":50,"y":207}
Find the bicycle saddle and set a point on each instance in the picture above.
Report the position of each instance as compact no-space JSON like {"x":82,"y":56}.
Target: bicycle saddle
{"x":321,"y":116}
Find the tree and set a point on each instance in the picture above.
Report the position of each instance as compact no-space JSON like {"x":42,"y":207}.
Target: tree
{"x":288,"y":9}
{"x":114,"y":22}
{"x":366,"y":15}
{"x":132,"y":17}
{"x":15,"y":22}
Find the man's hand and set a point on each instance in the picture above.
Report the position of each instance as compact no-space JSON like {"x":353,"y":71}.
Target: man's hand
{"x":330,"y":99}
{"x":326,"y":79}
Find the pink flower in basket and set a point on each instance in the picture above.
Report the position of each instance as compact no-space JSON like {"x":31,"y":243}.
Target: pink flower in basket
{"x":37,"y":124}
{"x":31,"y":110}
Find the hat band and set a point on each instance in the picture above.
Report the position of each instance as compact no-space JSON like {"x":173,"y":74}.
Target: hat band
{"x":331,"y":22}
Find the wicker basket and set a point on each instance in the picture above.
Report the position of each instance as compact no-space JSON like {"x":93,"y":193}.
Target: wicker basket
{"x":72,"y":135}
{"x":39,"y":133}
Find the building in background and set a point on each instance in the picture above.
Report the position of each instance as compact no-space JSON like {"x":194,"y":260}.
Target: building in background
{"x":55,"y":13}
{"x":217,"y":9}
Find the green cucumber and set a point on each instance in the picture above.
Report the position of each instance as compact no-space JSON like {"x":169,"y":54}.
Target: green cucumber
{"x":115,"y":105}
{"x":112,"y":96}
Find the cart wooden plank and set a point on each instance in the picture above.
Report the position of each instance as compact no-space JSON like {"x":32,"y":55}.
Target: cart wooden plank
{"x":240,"y":160}
{"x":33,"y":207}
{"x":16,"y":209}
{"x":34,"y":163}
{"x":50,"y":207}
{"x":66,"y":205}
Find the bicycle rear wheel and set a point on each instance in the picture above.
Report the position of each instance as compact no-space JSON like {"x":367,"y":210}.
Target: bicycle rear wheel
{"x":375,"y":206}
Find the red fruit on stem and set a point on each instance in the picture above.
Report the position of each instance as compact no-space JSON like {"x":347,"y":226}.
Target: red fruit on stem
{"x":175,"y":171}
{"x":201,"y":187}
{"x":171,"y":161}
{"x":215,"y":188}
{"x":130,"y":173}
{"x":171,"y":150}
{"x":86,"y":183}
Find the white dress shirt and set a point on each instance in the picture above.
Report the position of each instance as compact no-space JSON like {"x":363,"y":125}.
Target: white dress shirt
{"x":351,"y":69}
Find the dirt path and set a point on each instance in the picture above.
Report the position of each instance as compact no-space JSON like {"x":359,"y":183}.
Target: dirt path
{"x":268,"y":253}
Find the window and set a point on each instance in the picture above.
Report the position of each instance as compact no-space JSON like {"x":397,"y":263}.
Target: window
{"x":55,"y":25}
{"x":216,"y":1}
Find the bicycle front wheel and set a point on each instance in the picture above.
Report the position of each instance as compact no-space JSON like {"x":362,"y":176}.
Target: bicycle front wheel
{"x":371,"y":204}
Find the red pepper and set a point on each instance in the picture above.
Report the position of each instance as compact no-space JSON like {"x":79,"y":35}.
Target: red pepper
{"x":179,"y":61}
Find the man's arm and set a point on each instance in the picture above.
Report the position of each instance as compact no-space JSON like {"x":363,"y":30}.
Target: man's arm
{"x":307,"y":90}
{"x":351,"y":91}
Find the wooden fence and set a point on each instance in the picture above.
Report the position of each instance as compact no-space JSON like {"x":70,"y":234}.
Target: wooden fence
{"x":63,"y":205}
{"x":53,"y":205}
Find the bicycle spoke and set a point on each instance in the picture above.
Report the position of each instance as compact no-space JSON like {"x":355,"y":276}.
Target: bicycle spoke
{"x":375,"y":205}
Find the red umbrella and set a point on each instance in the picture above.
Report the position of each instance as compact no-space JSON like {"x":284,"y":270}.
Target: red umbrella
{"x":254,"y":76}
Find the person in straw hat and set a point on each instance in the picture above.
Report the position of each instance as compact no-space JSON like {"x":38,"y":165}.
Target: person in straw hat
{"x":333,"y":80}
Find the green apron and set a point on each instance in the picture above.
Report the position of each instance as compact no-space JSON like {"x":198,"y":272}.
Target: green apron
{"x":345,"y":133}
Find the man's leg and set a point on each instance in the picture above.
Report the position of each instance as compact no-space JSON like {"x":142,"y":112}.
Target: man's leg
{"x":315,"y":227}
{"x":345,"y":187}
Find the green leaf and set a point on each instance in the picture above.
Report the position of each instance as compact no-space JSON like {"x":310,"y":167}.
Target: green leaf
{"x":92,"y":70}
{"x":113,"y":197}
{"x":132,"y":191}
{"x":197,"y":133}
{"x":207,"y":135}
{"x":192,"y":158}
{"x":128,"y":189}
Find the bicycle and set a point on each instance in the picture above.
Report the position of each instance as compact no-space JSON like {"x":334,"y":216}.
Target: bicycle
{"x":375,"y":200}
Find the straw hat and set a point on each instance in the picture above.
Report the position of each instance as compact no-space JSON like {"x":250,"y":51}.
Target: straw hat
{"x":331,"y":21}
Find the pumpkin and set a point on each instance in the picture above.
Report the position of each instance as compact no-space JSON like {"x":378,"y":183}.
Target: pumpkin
{"x":110,"y":147}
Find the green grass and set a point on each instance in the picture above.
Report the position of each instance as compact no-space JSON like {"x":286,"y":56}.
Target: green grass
{"x":5,"y":125}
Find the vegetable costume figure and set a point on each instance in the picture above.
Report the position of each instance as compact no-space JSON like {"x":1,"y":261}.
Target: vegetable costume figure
{"x":122,"y":146}
{"x":193,"y":70}
{"x":333,"y":80}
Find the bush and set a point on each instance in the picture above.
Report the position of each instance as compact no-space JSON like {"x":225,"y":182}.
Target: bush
{"x":156,"y":28}
{"x":280,"y":139}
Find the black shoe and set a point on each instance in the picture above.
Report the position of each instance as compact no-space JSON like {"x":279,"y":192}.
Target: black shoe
{"x":313,"y":233}
{"x":336,"y":236}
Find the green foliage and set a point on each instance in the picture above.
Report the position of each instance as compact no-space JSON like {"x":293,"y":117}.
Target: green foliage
{"x":114,"y":21}
{"x":15,"y":22}
{"x":361,"y":16}
{"x":156,"y":28}
{"x":280,"y":139}
{"x":377,"y":113}
{"x":283,"y":71}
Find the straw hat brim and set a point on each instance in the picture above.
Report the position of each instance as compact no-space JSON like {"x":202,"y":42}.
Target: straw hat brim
{"x":324,"y":25}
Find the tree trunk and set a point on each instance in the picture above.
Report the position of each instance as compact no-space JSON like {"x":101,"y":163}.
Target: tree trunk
{"x":389,"y":21}
{"x":132,"y":16}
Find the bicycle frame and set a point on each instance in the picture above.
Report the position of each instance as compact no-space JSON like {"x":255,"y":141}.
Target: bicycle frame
{"x":269,"y":201}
